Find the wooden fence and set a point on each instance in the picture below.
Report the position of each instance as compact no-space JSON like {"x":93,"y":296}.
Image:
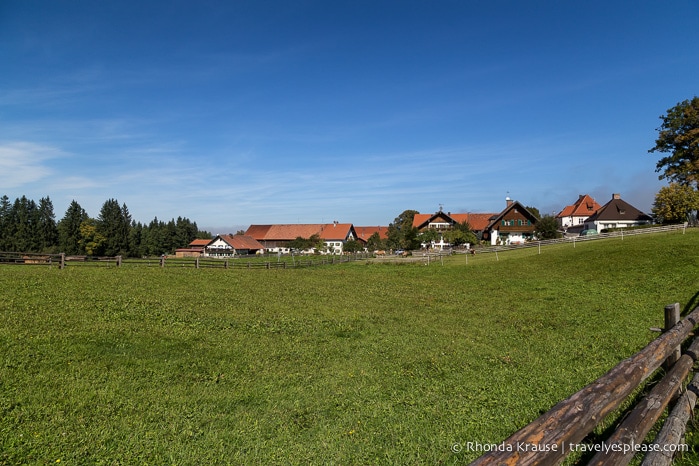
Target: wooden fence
{"x":63,"y":260}
{"x":565,"y":428}
{"x":573,"y":240}
{"x":28,"y":258}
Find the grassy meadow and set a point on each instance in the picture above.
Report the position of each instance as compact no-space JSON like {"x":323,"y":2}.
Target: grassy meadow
{"x":359,"y":363}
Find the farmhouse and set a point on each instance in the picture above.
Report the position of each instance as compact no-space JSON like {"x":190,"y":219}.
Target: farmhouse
{"x":617,"y":213}
{"x":443,"y":221}
{"x":232,"y":245}
{"x":276,"y":238}
{"x":572,"y":218}
{"x":446,"y":221}
{"x":513,"y":225}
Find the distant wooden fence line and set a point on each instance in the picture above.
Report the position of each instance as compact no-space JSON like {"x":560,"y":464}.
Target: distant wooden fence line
{"x":63,"y":260}
{"x":573,"y":240}
{"x":563,"y":429}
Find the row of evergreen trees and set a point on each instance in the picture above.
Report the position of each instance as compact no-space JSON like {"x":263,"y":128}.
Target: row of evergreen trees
{"x":26,"y":226}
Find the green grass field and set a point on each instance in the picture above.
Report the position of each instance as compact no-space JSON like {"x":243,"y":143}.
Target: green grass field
{"x":358,"y":363}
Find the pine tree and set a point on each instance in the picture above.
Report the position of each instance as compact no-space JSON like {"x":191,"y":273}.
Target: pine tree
{"x":69,"y":229}
{"x":5,"y":216}
{"x":46,"y":230}
{"x":113,"y":224}
{"x":23,"y":222}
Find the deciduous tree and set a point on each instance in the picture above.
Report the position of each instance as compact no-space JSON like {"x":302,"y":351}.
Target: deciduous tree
{"x":547,"y":228}
{"x":375,"y":243}
{"x":675,"y":203}
{"x":352,"y":246}
{"x":401,"y":233}
{"x":678,"y":136}
{"x":91,"y":240}
{"x":461,"y":234}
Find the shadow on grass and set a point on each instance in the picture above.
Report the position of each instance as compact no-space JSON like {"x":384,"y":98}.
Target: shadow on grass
{"x":691,"y":304}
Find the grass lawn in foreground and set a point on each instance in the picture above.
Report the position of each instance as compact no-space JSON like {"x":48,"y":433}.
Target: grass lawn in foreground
{"x":348,"y":364}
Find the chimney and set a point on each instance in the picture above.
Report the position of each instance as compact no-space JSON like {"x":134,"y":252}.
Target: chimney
{"x":508,"y":201}
{"x":616,"y":196}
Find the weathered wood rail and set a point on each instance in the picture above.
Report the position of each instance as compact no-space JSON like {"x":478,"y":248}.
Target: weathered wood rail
{"x":563,"y":430}
{"x":62,"y":260}
{"x":28,"y":258}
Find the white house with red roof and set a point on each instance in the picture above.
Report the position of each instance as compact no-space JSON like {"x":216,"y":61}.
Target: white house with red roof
{"x":572,"y":217}
{"x":232,"y":245}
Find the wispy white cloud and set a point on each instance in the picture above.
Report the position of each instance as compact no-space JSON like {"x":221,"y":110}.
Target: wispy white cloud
{"x":22,"y":163}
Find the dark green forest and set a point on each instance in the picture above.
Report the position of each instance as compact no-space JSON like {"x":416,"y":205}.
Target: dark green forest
{"x":28,"y":226}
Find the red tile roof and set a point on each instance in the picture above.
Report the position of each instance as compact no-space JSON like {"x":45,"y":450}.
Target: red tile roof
{"x":199,"y":243}
{"x":419,"y":219}
{"x":585,"y":206}
{"x":364,"y":233}
{"x":478,"y":222}
{"x":289,"y":232}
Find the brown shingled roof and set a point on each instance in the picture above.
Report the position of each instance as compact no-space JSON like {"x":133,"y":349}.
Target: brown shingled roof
{"x":619,"y":209}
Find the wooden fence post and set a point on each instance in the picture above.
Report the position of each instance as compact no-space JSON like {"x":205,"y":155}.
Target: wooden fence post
{"x":162,"y":261}
{"x":63,"y":261}
{"x":672,"y":316}
{"x":196,"y":262}
{"x":118,"y":261}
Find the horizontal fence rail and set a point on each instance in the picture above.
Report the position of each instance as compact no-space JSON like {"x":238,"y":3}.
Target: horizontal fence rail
{"x":252,"y":262}
{"x":29,"y":258}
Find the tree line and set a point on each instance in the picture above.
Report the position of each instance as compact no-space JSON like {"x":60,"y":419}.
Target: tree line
{"x":28,"y":226}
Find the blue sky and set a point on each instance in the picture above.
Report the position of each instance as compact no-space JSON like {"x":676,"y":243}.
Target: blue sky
{"x":239,"y":112}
